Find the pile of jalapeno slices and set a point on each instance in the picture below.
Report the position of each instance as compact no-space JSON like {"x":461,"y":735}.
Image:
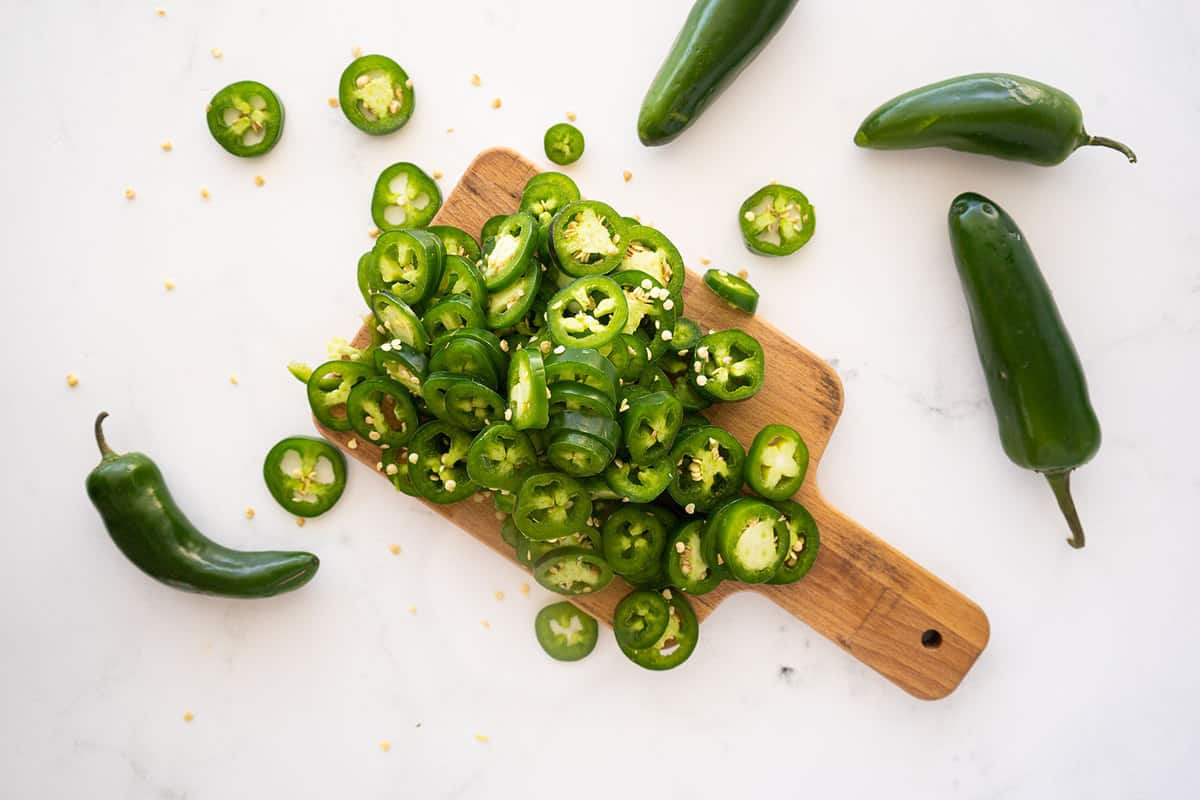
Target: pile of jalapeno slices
{"x":550,"y":366}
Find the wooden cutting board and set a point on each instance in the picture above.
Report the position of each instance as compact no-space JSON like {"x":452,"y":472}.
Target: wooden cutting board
{"x":871,"y":600}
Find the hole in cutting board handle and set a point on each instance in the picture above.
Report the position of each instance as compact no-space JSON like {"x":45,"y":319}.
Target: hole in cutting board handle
{"x":931,"y":639}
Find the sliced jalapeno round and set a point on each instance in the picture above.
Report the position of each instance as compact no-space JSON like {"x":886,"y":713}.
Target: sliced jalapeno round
{"x":452,"y":313}
{"x":587,"y":238}
{"x":464,"y":355}
{"x":473,"y":407}
{"x":776,"y":463}
{"x":734,"y":290}
{"x":728,"y":366}
{"x":572,"y":571}
{"x":753,"y":538}
{"x":633,"y":541}
{"x":305,"y":475}
{"x":395,"y":467}
{"x":687,"y":335}
{"x":246,"y":118}
{"x":530,"y":551}
{"x":407,"y":264}
{"x":545,"y":195}
{"x":508,"y":251}
{"x":551,"y":505}
{"x":563,"y":143}
{"x":399,"y":321}
{"x":381,"y":411}
{"x":803,"y":543}
{"x":641,"y":483}
{"x":329,"y":388}
{"x":589,"y":312}
{"x":402,"y":363}
{"x":648,"y":250}
{"x":777,"y":220}
{"x":641,"y":619}
{"x":687,"y":568}
{"x":598,"y":426}
{"x":460,"y":276}
{"x":405,"y":197}
{"x":509,"y":305}
{"x":376,"y":95}
{"x":582,"y":365}
{"x":456,"y":241}
{"x":437,"y":463}
{"x":528,"y":405}
{"x":570,"y":396}
{"x":651,"y":310}
{"x":708,"y":468}
{"x":650,"y":422}
{"x":577,"y":454}
{"x":677,"y":642}
{"x":500,"y":457}
{"x":565,"y":632}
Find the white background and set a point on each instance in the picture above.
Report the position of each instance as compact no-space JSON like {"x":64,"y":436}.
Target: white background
{"x":1088,"y":688}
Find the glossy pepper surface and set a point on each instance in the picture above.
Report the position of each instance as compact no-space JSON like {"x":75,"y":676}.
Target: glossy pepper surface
{"x":1000,"y":115}
{"x":1033,"y":373}
{"x":150,"y":529}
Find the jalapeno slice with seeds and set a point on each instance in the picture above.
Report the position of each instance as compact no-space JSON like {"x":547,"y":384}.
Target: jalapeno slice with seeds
{"x":641,"y":483}
{"x":450,"y":314}
{"x":551,"y":505}
{"x":687,"y":335}
{"x":589,"y":312}
{"x":399,"y":321}
{"x":395,"y":467}
{"x":544,"y":196}
{"x":572,"y":571}
{"x":587,"y":238}
{"x":473,"y":407}
{"x":437,"y":463}
{"x":528,"y":405}
{"x":402,"y":363}
{"x":633,"y":539}
{"x":456,"y":241}
{"x":753,"y":539}
{"x":329,"y":388}
{"x":305,"y":475}
{"x":464,"y":355}
{"x":577,"y":454}
{"x":565,"y":632}
{"x":687,"y":568}
{"x":530,"y":551}
{"x":776,"y":463}
{"x":728,"y":366}
{"x":677,"y":642}
{"x":509,"y":305}
{"x":508,"y":250}
{"x":651,"y":310}
{"x":570,"y":396}
{"x":804,"y":541}
{"x":563,"y":143}
{"x":460,"y":276}
{"x":376,"y":95}
{"x":628,"y":355}
{"x":734,"y":290}
{"x":708,"y":467}
{"x":650,"y":423}
{"x":648,"y":250}
{"x":640,"y":619}
{"x":382,"y":412}
{"x":489,"y":340}
{"x":501,"y":457}
{"x":405,"y":197}
{"x":407,"y":264}
{"x":777,"y":220}
{"x":246,"y":118}
{"x":582,"y":365}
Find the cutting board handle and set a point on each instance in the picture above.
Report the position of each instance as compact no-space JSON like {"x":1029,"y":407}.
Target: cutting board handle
{"x":883,"y":608}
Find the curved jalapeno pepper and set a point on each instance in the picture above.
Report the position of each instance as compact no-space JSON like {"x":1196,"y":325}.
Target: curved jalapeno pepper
{"x":399,"y":321}
{"x":687,"y":569}
{"x":563,"y":143}
{"x":565,"y":632}
{"x":530,"y":551}
{"x":753,"y":538}
{"x":456,"y":242}
{"x":803,"y":543}
{"x":687,"y":335}
{"x":708,"y":468}
{"x":648,"y":250}
{"x":376,"y":95}
{"x":473,"y":407}
{"x":452,"y":313}
{"x":651,"y":310}
{"x":732,"y":289}
{"x":509,"y":305}
{"x":500,"y":457}
{"x":551,"y":505}
{"x":305,"y":475}
{"x":577,"y":454}
{"x":405,"y":198}
{"x":641,"y":483}
{"x":640,"y":619}
{"x":569,"y":396}
{"x":402,"y":363}
{"x":437,"y":463}
{"x":381,"y":411}
{"x":676,"y":643}
{"x":633,"y":540}
{"x":363,"y":273}
{"x":407,"y":264}
{"x":572,"y":571}
{"x":528,"y":405}
{"x":582,"y":365}
{"x":587,"y":238}
{"x":246,"y":118}
{"x":329,"y":388}
{"x":628,"y":355}
{"x":508,"y":251}
{"x":777,"y":220}
{"x":489,"y":340}
{"x":464,"y":355}
{"x":395,"y":467}
{"x":589,"y":312}
{"x":728,"y":366}
{"x":776,"y":463}
{"x":650,"y":422}
{"x":460,"y":276}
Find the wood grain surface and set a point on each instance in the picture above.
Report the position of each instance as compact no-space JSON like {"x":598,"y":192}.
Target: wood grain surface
{"x":870,"y":599}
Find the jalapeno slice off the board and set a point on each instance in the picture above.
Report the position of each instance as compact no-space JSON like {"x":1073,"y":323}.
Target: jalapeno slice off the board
{"x":376,"y":95}
{"x":246,"y":118}
{"x":305,"y":475}
{"x":405,"y":197}
{"x":565,"y":632}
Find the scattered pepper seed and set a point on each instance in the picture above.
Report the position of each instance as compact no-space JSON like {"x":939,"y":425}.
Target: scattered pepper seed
{"x":352,"y":444}
{"x":162,"y":12}
{"x":188,"y":716}
{"x":204,"y":193}
{"x":233,"y":379}
{"x":523,"y":588}
{"x":449,"y":130}
{"x":167,"y":146}
{"x":395,"y":549}
{"x":333,"y":102}
{"x":627,"y":175}
{"x":408,"y":84}
{"x":169,"y":285}
{"x":496,"y":103}
{"x":479,"y":737}
{"x":385,"y":745}
{"x":299,"y":522}
{"x":437,"y":174}
{"x":705,"y":261}
{"x":374,"y":233}
{"x":743,"y":274}
{"x":475,"y":81}
{"x":499,"y":595}
{"x":72,"y":379}
{"x":356,"y":52}
{"x":571,"y":116}
{"x":249,"y":512}
{"x":259,"y":180}
{"x":130,"y":194}
{"x":216,"y":52}
{"x":485,"y":623}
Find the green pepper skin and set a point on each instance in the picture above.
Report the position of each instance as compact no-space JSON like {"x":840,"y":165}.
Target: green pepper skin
{"x":1000,"y":115}
{"x":1033,"y":373}
{"x":718,"y":40}
{"x":141,"y":517}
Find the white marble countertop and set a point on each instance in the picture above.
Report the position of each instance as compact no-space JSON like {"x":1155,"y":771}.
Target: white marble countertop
{"x":1088,"y":688}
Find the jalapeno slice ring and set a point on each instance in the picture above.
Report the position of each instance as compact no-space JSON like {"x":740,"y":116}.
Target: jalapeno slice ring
{"x":728,"y":366}
{"x":687,"y":335}
{"x":381,"y":411}
{"x":395,"y":467}
{"x":407,"y":264}
{"x":329,"y":388}
{"x":777,"y":220}
{"x":405,"y":197}
{"x":633,"y":541}
{"x":563,"y":143}
{"x":577,"y":454}
{"x":708,"y":467}
{"x":472,"y":406}
{"x":551,"y":505}
{"x":501,"y":457}
{"x":402,"y":363}
{"x":509,"y":305}
{"x":753,"y":539}
{"x":508,"y":250}
{"x":734,"y":290}
{"x":437,"y":463}
{"x":648,"y":250}
{"x":305,"y":475}
{"x":587,"y":238}
{"x":640,"y":619}
{"x":530,"y":551}
{"x":451,"y":314}
{"x":804,"y":542}
{"x":687,"y":568}
{"x":651,"y":310}
{"x":641,"y":483}
{"x":589,"y":312}
{"x":456,"y":241}
{"x":650,"y":423}
{"x":677,"y":642}
{"x":460,"y":276}
{"x":582,"y":365}
{"x":376,"y":95}
{"x":246,"y":118}
{"x":399,"y":321}
{"x":572,"y":571}
{"x":528,"y":405}
{"x":578,"y":397}
{"x":464,"y":355}
{"x":565,"y":632}
{"x":776,"y":463}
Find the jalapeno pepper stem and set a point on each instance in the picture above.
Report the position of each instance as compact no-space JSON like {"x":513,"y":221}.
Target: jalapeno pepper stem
{"x":101,"y":442}
{"x":1104,"y":141}
{"x":1060,"y":482}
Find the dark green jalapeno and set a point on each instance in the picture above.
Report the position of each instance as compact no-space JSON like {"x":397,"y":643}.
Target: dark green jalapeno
{"x":677,"y":641}
{"x":437,"y":463}
{"x":329,"y":389}
{"x":650,"y":422}
{"x":500,"y":457}
{"x":305,"y":475}
{"x":804,"y":541}
{"x":511,"y":304}
{"x":728,"y":366}
{"x":528,"y":397}
{"x":405,"y":197}
{"x":376,"y":95}
{"x":651,"y":310}
{"x":641,"y":618}
{"x":572,"y":571}
{"x":551,"y":505}
{"x":633,"y":540}
{"x":708,"y":468}
{"x":456,"y":241}
{"x":565,"y":632}
{"x":587,"y":238}
{"x":648,"y":250}
{"x":753,"y":539}
{"x":640,"y":483}
{"x":402,"y":363}
{"x":686,"y":566}
{"x":508,"y":251}
{"x":460,"y":276}
{"x":246,"y":118}
{"x":452,"y":313}
{"x":735,"y":291}
{"x":589,"y":312}
{"x":382,"y":411}
{"x":398,"y":321}
{"x":776,"y":463}
{"x":407,"y":264}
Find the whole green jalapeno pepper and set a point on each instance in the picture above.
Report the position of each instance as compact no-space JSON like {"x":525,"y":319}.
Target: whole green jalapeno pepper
{"x":1000,"y":115}
{"x":141,"y":517}
{"x":1033,"y":373}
